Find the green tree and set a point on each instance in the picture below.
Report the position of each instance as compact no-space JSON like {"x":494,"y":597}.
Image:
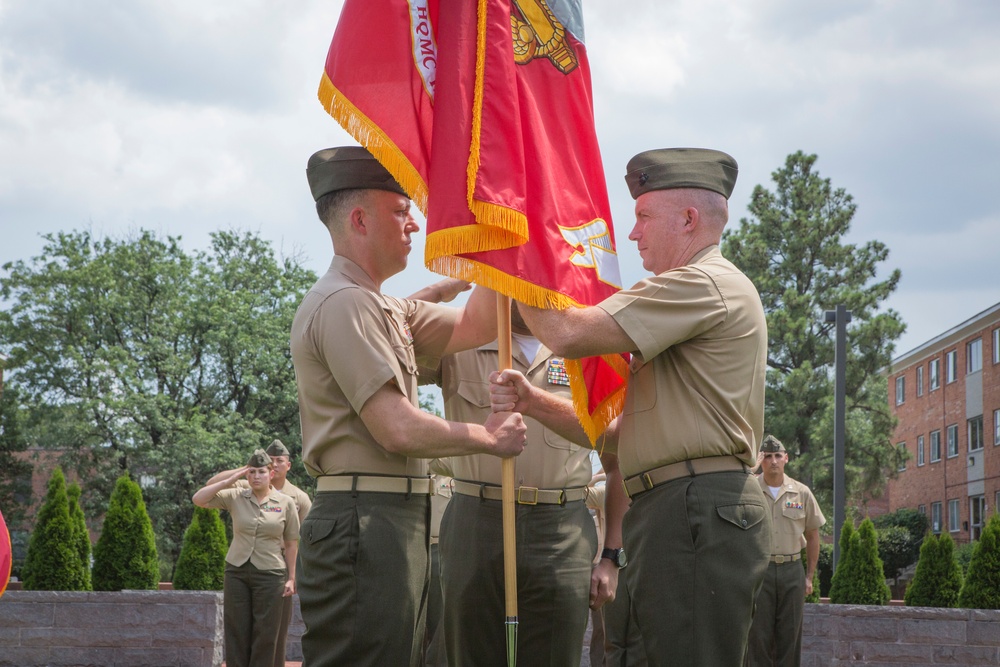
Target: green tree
{"x":843,"y":575}
{"x":981,"y":589}
{"x":81,"y":534}
{"x":53,"y":560}
{"x":897,"y":549}
{"x":869,"y":585}
{"x":125,"y":556}
{"x":140,"y":356}
{"x":202,"y":563}
{"x":15,"y":473}
{"x":938,"y":578}
{"x":792,"y":247}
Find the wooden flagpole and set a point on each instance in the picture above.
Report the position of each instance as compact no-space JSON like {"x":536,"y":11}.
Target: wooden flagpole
{"x":505,"y":361}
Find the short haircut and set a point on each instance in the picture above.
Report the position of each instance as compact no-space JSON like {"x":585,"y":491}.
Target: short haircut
{"x":333,"y":206}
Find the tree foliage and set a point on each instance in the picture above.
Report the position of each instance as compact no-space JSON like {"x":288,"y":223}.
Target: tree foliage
{"x":133,"y":354}
{"x":202,"y":563}
{"x":125,"y":556}
{"x":843,"y":575}
{"x":15,"y":473}
{"x":81,"y":534}
{"x":792,"y":247}
{"x":897,"y":549}
{"x":981,"y":589}
{"x":938,"y":578}
{"x":53,"y":560}
{"x":859,"y":577}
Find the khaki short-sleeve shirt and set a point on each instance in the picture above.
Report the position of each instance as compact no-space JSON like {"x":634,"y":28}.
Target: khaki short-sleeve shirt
{"x":301,"y":499}
{"x":260,"y":529}
{"x":548,"y":461}
{"x":697,"y":382}
{"x":347,"y":341}
{"x":793,"y":512}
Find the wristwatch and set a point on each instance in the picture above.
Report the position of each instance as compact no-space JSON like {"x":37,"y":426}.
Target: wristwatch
{"x":616,"y":556}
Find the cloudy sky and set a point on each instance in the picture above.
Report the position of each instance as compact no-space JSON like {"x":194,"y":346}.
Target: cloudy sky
{"x":187,"y":116}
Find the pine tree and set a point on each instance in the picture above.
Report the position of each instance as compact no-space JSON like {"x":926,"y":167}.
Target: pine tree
{"x":982,"y":585}
{"x":869,"y":585}
{"x":125,"y":556}
{"x":938,"y":578}
{"x":201,"y":565}
{"x":53,"y":562}
{"x":843,"y":576}
{"x":79,"y":522}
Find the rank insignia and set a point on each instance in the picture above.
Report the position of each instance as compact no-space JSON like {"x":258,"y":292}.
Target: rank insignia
{"x":556,"y":373}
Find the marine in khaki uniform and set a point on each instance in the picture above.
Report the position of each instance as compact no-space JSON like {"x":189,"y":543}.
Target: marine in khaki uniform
{"x":776,"y":633}
{"x":364,"y":548}
{"x":697,"y":531}
{"x":556,"y":538}
{"x":260,"y":563}
{"x":281,"y":459}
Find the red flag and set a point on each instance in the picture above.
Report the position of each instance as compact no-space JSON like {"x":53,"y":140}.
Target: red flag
{"x":6,"y":557}
{"x":483,"y":113}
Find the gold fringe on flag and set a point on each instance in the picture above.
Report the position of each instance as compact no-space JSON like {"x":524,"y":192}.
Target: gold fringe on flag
{"x":378,"y":143}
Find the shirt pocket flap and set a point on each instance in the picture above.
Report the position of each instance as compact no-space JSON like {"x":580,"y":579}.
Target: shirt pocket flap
{"x":742,"y":515}
{"x":477,"y":393}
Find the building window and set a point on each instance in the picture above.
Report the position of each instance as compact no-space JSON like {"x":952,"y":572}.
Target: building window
{"x":903,"y":455}
{"x":974,"y":356}
{"x":936,"y":518}
{"x":920,"y":380}
{"x":976,"y":433}
{"x":922,"y":509}
{"x":951,"y":367}
{"x":935,"y":446}
{"x":996,"y":346}
{"x":996,"y":427}
{"x":951,"y":435}
{"x":900,"y":390}
{"x":920,"y":450}
{"x":953,"y":525}
{"x":933,"y":373}
{"x":977,"y":516}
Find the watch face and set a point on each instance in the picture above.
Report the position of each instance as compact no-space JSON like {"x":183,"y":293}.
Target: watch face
{"x":622,"y":559}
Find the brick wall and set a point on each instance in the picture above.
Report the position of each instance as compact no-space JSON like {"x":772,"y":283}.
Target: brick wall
{"x":835,"y":635}
{"x":167,"y":628}
{"x":184,"y":629}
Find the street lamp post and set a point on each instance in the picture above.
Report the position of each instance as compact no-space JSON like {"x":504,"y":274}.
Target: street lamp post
{"x":841,"y":316}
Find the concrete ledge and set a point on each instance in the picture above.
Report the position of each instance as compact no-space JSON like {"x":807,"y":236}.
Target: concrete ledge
{"x":835,"y":635}
{"x":127,"y":628}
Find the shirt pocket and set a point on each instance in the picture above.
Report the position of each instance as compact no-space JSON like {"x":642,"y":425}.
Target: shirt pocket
{"x":641,"y":393}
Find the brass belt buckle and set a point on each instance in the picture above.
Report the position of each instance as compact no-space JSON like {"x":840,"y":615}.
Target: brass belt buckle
{"x":534,"y":499}
{"x":647,"y":481}
{"x":779,"y":559}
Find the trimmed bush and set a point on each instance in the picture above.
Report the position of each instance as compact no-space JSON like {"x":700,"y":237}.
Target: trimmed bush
{"x":938,"y":578}
{"x":824,"y":569}
{"x":981,"y":589}
{"x":53,"y":562}
{"x":913,"y":521}
{"x":814,"y":596}
{"x":201,"y":565}
{"x":963,"y":554}
{"x":79,"y":522}
{"x":125,"y":555}
{"x":897,"y":549}
{"x":843,"y":576}
{"x":869,"y":586}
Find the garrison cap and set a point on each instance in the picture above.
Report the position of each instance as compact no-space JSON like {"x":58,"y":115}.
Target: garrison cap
{"x":347,"y":168}
{"x":277,"y":448}
{"x":771,"y":445}
{"x":670,"y":168}
{"x":259,"y":459}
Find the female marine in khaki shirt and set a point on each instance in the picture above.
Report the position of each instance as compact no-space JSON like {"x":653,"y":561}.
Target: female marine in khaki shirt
{"x":260,"y":564}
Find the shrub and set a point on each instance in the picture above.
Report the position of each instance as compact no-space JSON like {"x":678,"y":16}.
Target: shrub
{"x":125,"y":555}
{"x":982,"y":586}
{"x":938,"y":578}
{"x":843,"y":577}
{"x":824,"y":569}
{"x":814,"y":596}
{"x":963,"y":554}
{"x":869,"y":586}
{"x":201,"y":565}
{"x":53,"y":562}
{"x":913,"y":521}
{"x":897,"y":549}
{"x":79,"y":522}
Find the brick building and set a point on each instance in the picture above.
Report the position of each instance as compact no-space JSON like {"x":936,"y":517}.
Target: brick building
{"x":946,"y":396}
